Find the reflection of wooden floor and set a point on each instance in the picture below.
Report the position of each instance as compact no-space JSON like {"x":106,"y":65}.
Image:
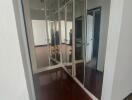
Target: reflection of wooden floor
{"x":93,"y":78}
{"x":42,"y":56}
{"x":57,"y":85}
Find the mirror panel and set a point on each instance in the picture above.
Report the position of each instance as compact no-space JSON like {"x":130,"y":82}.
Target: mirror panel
{"x":53,"y":34}
{"x":94,"y":76}
{"x":51,"y":7}
{"x":69,"y":36}
{"x":57,"y":39}
{"x":52,"y":23}
{"x":63,"y":33}
{"x":39,"y":34}
{"x":79,"y":38}
{"x":53,"y":31}
{"x":63,"y":2}
{"x":97,"y":19}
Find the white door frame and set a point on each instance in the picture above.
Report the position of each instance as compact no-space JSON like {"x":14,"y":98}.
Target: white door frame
{"x":17,"y":4}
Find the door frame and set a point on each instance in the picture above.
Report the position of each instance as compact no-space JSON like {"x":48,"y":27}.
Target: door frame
{"x":24,"y":47}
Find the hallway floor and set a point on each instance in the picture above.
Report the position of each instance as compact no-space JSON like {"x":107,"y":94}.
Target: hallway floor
{"x":129,"y":97}
{"x":57,"y":85}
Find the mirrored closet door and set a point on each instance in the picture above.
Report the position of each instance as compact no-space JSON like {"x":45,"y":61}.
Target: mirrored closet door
{"x":72,"y":34}
{"x":39,"y":32}
{"x":79,"y":39}
{"x":69,"y":36}
{"x":91,"y":29}
{"x":93,"y":74}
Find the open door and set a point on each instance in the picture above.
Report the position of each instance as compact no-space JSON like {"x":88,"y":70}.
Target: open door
{"x":89,"y":40}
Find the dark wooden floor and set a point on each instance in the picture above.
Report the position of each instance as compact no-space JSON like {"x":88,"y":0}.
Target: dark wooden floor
{"x":57,"y":85}
{"x":93,"y":78}
{"x":129,"y":97}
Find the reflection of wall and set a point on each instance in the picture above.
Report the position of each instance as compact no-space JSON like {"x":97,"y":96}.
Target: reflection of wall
{"x":13,"y":85}
{"x":39,"y":32}
{"x":63,"y":31}
{"x":105,"y":4}
{"x":63,"y":35}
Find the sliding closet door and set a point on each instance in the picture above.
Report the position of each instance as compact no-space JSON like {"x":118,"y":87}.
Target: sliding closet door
{"x":52,"y":14}
{"x":93,"y":71}
{"x":79,"y":38}
{"x":69,"y":36}
{"x":54,"y":40}
{"x":40,"y":36}
{"x":62,"y":34}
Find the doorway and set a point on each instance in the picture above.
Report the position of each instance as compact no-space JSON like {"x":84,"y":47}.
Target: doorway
{"x":92,"y":36}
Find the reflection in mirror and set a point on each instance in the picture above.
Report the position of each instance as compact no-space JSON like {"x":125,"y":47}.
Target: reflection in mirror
{"x":41,"y":43}
{"x":63,"y":2}
{"x":54,"y":39}
{"x":51,"y":41}
{"x":45,"y":26}
{"x":69,"y":36}
{"x":63,"y":33}
{"x":51,"y":7}
{"x":92,"y":47}
{"x":39,"y":33}
{"x":57,"y":36}
{"x":95,"y":44}
{"x":79,"y":38}
{"x":53,"y":31}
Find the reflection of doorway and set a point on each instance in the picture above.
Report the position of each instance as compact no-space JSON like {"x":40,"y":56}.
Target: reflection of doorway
{"x":78,"y":38}
{"x":93,"y":31}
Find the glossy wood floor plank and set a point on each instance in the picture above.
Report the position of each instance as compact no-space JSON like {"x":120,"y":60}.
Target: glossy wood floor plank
{"x":57,"y":85}
{"x":93,"y":78}
{"x":129,"y":97}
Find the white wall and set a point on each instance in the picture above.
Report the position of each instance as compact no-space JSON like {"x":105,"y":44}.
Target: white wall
{"x":122,"y":85}
{"x":39,"y":32}
{"x":118,"y":66}
{"x":105,"y":4}
{"x":12,"y":79}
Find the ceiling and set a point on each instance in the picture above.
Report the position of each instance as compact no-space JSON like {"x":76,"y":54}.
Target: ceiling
{"x":37,"y":8}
